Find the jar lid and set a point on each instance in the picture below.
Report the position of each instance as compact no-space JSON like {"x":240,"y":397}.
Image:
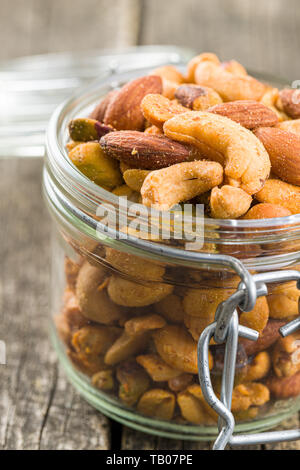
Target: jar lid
{"x":32,"y":87}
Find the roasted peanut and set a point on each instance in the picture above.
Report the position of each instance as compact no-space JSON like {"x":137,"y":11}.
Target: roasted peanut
{"x":93,"y":163}
{"x":92,"y":297}
{"x":71,"y":272}
{"x":187,"y":180}
{"x":143,"y":324}
{"x":94,"y":340}
{"x":196,"y":325}
{"x":281,"y":193}
{"x":88,"y":364}
{"x":131,"y":294}
{"x":135,"y":178}
{"x":246,"y":162}
{"x":124,"y":347}
{"x":133,"y":382}
{"x":249,"y":394}
{"x":230,"y":86}
{"x":258,"y":318}
{"x":283,"y":300}
{"x":203,"y":303}
{"x":198,"y":98}
{"x":158,"y":109}
{"x":157,"y":403}
{"x":103,"y":379}
{"x":158,"y":370}
{"x":229,"y":202}
{"x":177,"y":348}
{"x":286,"y":355}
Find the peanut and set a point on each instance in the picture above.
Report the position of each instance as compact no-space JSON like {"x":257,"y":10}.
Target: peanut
{"x":157,"y":403}
{"x":158,"y":369}
{"x":158,"y":109}
{"x":229,"y":202}
{"x":286,"y":355}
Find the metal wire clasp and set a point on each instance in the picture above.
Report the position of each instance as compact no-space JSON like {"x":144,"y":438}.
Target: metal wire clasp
{"x":226,"y":329}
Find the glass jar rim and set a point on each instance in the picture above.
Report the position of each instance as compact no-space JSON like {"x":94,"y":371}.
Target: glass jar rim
{"x":80,"y":188}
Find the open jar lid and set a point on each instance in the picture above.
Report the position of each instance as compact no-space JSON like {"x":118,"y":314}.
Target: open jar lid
{"x":32,"y":87}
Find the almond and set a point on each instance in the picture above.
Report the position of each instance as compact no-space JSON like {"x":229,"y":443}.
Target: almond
{"x":283,"y":148}
{"x":248,"y":113}
{"x":99,"y":112}
{"x":146,"y":151}
{"x":124,"y":109}
{"x":290,"y":102}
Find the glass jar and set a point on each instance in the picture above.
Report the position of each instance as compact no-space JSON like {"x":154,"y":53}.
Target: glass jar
{"x":128,"y":310}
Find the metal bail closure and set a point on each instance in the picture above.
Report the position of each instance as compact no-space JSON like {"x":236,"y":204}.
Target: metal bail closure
{"x":226,"y":329}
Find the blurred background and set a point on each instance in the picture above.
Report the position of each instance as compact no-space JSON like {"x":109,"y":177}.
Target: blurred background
{"x":38,"y":408}
{"x":262,"y":34}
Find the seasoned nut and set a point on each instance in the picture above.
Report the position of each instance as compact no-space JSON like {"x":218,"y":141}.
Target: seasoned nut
{"x":290,"y":100}
{"x":98,"y":167}
{"x":258,"y":368}
{"x":171,"y":78}
{"x":195,"y":61}
{"x":258,"y":318}
{"x":103,"y":379}
{"x":286,"y":355}
{"x":234,"y":67}
{"x":124,"y":111}
{"x":196,"y":325}
{"x":124,"y":190}
{"x":229,"y":202}
{"x":231,"y":87}
{"x":143,"y":324}
{"x":247,"y":113}
{"x":88,"y":364}
{"x":246,"y":162}
{"x":271,"y":99}
{"x":286,"y":387}
{"x":283,"y":148}
{"x":130,"y":294}
{"x":133,"y":382}
{"x":134,"y":266}
{"x":158,"y":370}
{"x":198,"y":98}
{"x":146,"y":151}
{"x":177,"y":348}
{"x":72,"y":144}
{"x":268,"y":337}
{"x":99,"y":112}
{"x":180,"y":383}
{"x":92,"y":296}
{"x":124,"y":347}
{"x":279,"y":192}
{"x":70,"y":319}
{"x":283,"y":300}
{"x":266,"y":211}
{"x":158,"y":109}
{"x":153,"y":130}
{"x":290,"y":126}
{"x":171,"y":308}
{"x":218,"y":352}
{"x":84,"y":129}
{"x":135,"y":178}
{"x":157,"y":403}
{"x":94,"y":340}
{"x":203,"y":303}
{"x":194,"y":408}
{"x":187,"y":180}
{"x":249,"y":394}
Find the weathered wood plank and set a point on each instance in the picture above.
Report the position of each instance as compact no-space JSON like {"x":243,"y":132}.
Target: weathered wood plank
{"x":40,"y":26}
{"x":262,"y":35}
{"x":38,"y":408}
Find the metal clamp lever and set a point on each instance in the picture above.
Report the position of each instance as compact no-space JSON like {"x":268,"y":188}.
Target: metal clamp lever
{"x":226,"y":326}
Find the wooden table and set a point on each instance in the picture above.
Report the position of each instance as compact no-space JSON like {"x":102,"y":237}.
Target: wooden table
{"x":38,"y":407}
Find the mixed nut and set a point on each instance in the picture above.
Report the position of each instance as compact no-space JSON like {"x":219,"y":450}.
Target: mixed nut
{"x":163,"y":139}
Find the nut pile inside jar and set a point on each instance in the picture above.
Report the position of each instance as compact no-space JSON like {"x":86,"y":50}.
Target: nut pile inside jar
{"x":215,"y":135}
